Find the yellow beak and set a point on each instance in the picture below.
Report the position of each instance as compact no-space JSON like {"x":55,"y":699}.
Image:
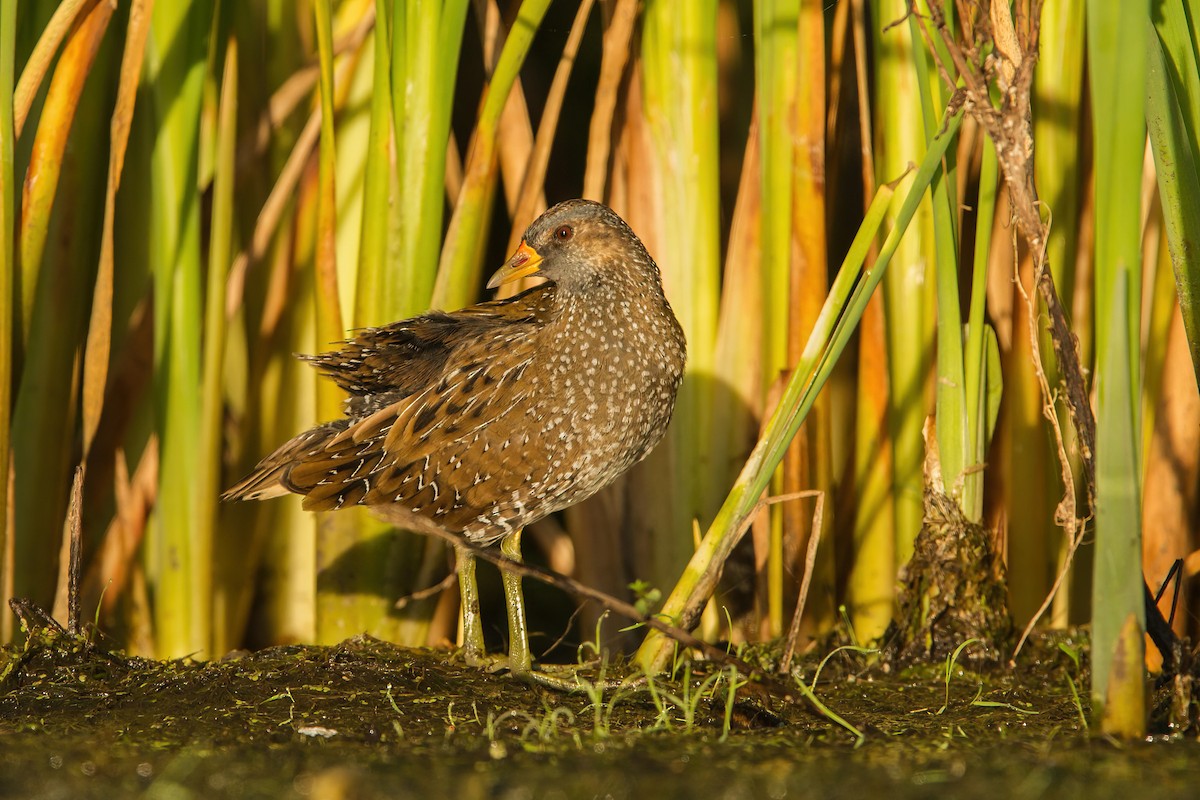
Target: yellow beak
{"x":523,"y":262}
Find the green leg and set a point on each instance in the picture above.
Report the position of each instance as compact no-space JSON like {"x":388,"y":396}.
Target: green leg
{"x":519,"y":662}
{"x":472,"y":628}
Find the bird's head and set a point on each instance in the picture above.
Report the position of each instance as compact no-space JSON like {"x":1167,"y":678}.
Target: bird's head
{"x":576,"y":245}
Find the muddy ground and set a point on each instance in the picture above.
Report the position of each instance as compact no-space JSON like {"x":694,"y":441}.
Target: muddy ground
{"x":367,"y":719}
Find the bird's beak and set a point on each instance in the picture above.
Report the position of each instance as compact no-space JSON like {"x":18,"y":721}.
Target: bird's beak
{"x":523,"y":262}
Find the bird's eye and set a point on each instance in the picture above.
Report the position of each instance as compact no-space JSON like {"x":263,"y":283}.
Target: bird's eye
{"x":564,"y":233}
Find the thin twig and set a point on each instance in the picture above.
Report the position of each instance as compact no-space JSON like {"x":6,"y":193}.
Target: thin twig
{"x":33,"y":617}
{"x":426,"y":593}
{"x":1065,"y":515}
{"x":810,"y":558}
{"x":66,"y":594}
{"x":75,"y":528}
{"x":566,"y":631}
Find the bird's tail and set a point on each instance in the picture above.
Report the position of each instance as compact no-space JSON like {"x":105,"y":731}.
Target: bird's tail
{"x":261,"y":484}
{"x":270,"y":478}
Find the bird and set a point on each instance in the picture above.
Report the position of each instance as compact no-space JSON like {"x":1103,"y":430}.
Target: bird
{"x":481,"y":421}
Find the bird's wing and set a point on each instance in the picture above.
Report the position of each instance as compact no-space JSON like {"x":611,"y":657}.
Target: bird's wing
{"x":432,"y":389}
{"x":405,"y":357}
{"x":439,"y":452}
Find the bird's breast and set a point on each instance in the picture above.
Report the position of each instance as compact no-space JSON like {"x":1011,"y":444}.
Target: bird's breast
{"x":594,"y":398}
{"x":604,"y":392}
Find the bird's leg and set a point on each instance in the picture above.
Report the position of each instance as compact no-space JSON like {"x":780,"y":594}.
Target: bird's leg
{"x":472,"y":628}
{"x":519,"y":662}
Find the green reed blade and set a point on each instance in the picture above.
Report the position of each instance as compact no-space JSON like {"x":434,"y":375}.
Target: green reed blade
{"x":176,"y":61}
{"x":426,"y":43}
{"x":680,"y":85}
{"x":374,"y":296}
{"x":1117,"y":65}
{"x":8,"y":24}
{"x":1173,"y":114}
{"x":212,"y":387}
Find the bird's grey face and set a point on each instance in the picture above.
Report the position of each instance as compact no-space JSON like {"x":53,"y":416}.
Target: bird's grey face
{"x":572,"y":245}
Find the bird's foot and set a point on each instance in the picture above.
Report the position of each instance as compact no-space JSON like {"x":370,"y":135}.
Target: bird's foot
{"x":567,"y":678}
{"x":493,"y":663}
{"x":554,"y":677}
{"x":579,"y":678}
{"x":488,"y":662}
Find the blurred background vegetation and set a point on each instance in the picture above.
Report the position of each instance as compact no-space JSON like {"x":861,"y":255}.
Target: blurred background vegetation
{"x":193,"y":191}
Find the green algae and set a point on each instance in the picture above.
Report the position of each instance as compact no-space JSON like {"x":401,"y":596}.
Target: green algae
{"x":366,"y":719}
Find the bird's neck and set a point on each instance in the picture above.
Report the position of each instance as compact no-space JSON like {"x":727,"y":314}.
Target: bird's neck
{"x":613,"y":306}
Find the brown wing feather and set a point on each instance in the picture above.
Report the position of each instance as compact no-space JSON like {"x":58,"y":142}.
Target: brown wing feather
{"x":403,"y":375}
{"x":461,"y":423}
{"x":394,"y":456}
{"x":405,"y":357}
